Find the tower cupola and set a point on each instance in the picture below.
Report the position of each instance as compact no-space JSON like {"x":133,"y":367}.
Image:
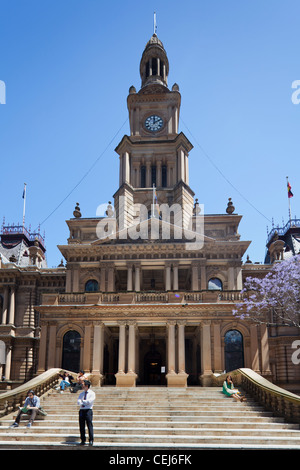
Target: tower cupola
{"x":154,"y":66}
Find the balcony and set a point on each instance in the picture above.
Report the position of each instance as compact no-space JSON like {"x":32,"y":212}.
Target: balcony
{"x":149,"y":297}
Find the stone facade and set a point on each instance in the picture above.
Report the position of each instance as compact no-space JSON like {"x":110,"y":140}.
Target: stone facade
{"x":139,"y":301}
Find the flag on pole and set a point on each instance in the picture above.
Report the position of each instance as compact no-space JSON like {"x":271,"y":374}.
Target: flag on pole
{"x":24,"y":191}
{"x":155,"y":202}
{"x":289,"y":188}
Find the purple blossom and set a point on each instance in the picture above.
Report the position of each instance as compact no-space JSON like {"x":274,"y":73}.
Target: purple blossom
{"x":274,"y":298}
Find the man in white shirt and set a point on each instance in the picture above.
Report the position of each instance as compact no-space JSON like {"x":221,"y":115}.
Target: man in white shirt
{"x":86,"y":401}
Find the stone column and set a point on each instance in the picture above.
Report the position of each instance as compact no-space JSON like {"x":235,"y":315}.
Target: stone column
{"x":205,"y":344}
{"x":195,"y":283}
{"x":148,"y":174}
{"x":127,"y":167}
{"x":98,"y":351}
{"x":12,"y":305}
{"x":87,"y":347}
{"x":217,"y":348}
{"x":168,"y":276}
{"x":102,"y":277}
{"x":129,"y":277}
{"x":122,"y":379}
{"x":131,"y":347}
{"x":186,"y":168}
{"x":5,"y":305}
{"x":122,"y":347}
{"x":42,"y":349}
{"x":254,"y":352}
{"x":68,"y":280}
{"x":8,"y":362}
{"x":182,"y":375}
{"x":75,"y":280}
{"x":266,"y":369}
{"x":171,"y":347}
{"x":137,"y":280}
{"x":203,"y":275}
{"x":121,"y":171}
{"x":51,"y":346}
{"x":158,"y":174}
{"x":175,"y":276}
{"x":111,"y":278}
{"x":131,"y":375}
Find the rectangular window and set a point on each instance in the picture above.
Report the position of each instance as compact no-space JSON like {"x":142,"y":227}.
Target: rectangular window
{"x":143,"y":176}
{"x":153,"y":175}
{"x":164,"y":176}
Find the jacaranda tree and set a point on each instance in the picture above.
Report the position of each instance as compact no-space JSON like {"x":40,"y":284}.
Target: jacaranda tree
{"x":275,"y":298}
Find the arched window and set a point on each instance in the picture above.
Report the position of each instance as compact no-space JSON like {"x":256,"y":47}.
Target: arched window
{"x":154,"y":66}
{"x":215,"y":284}
{"x":147,"y":69}
{"x":92,"y":286}
{"x":71,"y":351}
{"x":234,"y":350}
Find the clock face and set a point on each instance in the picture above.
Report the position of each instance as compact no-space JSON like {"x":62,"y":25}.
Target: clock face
{"x":153,"y":123}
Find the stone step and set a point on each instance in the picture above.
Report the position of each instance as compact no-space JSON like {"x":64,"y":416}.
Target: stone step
{"x":156,"y":418}
{"x":102,"y":438}
{"x":152,"y":431}
{"x":73,"y":421}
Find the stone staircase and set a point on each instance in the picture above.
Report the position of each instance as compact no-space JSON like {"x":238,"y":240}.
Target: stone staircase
{"x":154,"y":418}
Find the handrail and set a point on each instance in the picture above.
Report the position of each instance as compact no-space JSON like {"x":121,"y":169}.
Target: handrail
{"x":272,"y":397}
{"x":11,"y":400}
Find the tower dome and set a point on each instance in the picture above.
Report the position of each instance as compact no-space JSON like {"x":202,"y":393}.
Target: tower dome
{"x":154,"y":66}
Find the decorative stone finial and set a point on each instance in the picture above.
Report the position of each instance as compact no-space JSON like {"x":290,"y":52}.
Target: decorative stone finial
{"x":197,"y":208}
{"x":110,"y":210}
{"x":77,"y":212}
{"x":230,"y":207}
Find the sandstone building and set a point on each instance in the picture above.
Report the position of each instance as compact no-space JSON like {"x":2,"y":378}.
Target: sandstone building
{"x":147,"y":292}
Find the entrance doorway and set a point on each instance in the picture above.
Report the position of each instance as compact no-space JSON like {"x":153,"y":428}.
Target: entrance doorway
{"x":71,"y":351}
{"x":152,"y":367}
{"x":234,"y":350}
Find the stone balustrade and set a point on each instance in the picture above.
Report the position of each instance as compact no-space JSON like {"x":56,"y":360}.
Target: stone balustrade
{"x":13,"y":399}
{"x":273,"y":398}
{"x":96,"y":298}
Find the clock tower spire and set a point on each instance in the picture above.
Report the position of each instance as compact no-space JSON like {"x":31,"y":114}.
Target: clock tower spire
{"x":154,"y":154}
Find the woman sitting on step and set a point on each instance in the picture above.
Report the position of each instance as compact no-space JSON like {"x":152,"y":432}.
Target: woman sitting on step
{"x":230,"y":391}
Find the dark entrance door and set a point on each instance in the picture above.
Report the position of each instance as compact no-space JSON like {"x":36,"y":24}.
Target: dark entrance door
{"x":152,"y":367}
{"x":71,"y":351}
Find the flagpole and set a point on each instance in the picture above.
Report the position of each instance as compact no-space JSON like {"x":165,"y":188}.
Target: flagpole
{"x":290,"y":216}
{"x":154,"y":24}
{"x":152,"y":211}
{"x":24,"y":204}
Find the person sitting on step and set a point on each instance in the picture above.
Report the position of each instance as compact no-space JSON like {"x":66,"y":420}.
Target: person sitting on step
{"x":66,"y":381}
{"x":31,"y":406}
{"x":230,"y":391}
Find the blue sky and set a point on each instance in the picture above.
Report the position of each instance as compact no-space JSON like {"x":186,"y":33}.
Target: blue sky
{"x":68,"y":65}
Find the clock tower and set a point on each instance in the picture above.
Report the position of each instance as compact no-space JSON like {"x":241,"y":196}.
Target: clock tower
{"x":154,"y":155}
